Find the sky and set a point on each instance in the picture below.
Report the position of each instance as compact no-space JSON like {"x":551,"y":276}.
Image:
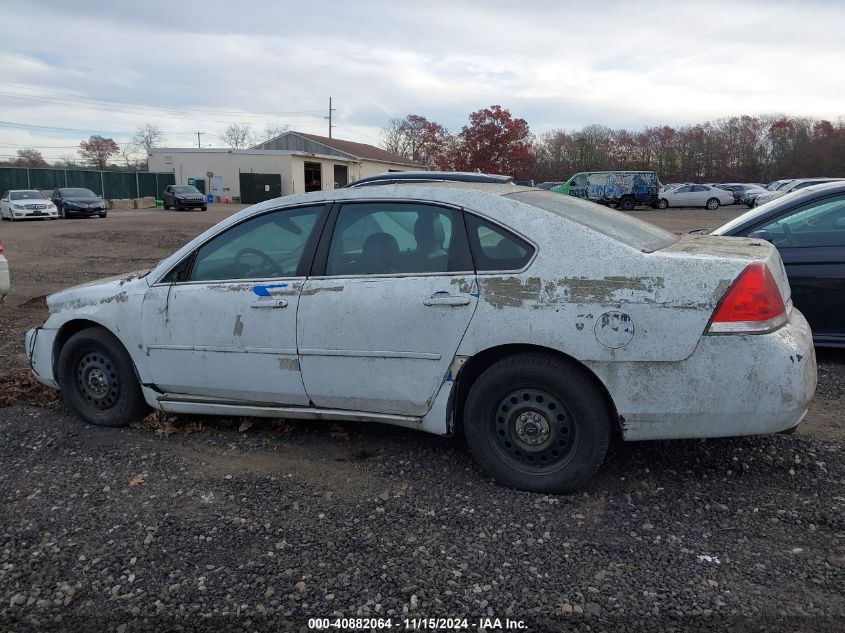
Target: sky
{"x":72,"y":69}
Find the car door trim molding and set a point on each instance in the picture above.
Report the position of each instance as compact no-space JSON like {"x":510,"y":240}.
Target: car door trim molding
{"x":224,"y":349}
{"x":370,"y":354}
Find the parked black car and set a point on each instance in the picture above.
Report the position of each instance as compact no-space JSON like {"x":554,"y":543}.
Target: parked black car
{"x":184,"y":197}
{"x":78,"y":202}
{"x":422,"y":177}
{"x":808,"y":228}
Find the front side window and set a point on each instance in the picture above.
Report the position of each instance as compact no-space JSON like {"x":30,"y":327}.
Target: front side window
{"x":818,"y":224}
{"x":268,"y":246}
{"x":494,"y":248}
{"x":392,"y":238}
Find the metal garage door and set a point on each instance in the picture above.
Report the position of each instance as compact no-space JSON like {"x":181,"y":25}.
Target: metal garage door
{"x":260,"y":187}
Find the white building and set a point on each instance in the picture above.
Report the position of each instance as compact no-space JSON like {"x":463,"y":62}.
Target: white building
{"x":291,"y":163}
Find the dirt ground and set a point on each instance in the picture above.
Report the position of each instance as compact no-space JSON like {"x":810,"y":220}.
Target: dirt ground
{"x":194,"y":524}
{"x":46,"y":256}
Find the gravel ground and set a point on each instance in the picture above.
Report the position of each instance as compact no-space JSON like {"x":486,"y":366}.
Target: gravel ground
{"x":271,"y":526}
{"x":199,"y":526}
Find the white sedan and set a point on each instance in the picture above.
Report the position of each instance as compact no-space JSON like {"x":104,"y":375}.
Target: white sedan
{"x":451,"y":310}
{"x":18,"y":204}
{"x":4,"y":274}
{"x":695,"y":196}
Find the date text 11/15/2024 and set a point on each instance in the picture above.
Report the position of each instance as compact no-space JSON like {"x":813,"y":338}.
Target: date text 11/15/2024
{"x":416,"y":624}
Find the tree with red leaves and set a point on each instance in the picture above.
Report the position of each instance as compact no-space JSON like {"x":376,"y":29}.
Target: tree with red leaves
{"x":97,"y":150}
{"x":493,"y":142}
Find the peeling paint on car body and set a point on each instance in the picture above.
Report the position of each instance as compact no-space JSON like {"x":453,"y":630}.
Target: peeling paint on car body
{"x":665,"y":377}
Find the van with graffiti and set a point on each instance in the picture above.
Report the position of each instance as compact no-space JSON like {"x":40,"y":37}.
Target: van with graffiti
{"x":622,"y":189}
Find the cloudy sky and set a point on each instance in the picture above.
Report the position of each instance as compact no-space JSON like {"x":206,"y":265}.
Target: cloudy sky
{"x":71,"y":69}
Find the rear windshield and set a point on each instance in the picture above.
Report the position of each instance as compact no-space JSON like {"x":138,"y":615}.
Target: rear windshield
{"x":614,"y":224}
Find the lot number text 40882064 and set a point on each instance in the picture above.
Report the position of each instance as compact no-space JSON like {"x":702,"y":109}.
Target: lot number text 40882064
{"x":415,"y":624}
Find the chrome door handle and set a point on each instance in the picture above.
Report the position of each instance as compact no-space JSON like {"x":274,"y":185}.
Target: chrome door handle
{"x":446,"y":300}
{"x":269,"y":303}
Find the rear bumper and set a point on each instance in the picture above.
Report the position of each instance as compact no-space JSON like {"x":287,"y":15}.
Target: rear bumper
{"x":5,"y":283}
{"x":731,"y":385}
{"x":39,"y":351}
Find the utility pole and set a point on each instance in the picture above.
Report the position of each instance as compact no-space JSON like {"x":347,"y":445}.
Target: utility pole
{"x":331,"y":109}
{"x":199,"y":144}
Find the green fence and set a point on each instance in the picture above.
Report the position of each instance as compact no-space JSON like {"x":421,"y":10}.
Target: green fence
{"x":109,"y":184}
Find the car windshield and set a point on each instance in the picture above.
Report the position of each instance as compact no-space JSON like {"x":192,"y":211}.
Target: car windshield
{"x":185,"y":189}
{"x":26,"y":195}
{"x":614,"y":224}
{"x":78,"y":193}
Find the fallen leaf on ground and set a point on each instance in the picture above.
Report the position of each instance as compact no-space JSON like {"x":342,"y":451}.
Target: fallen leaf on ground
{"x":137,"y":480}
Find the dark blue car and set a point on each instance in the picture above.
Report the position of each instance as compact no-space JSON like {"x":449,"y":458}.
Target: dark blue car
{"x":808,"y":228}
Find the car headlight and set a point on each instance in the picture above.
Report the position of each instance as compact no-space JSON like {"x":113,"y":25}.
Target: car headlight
{"x":17,"y":207}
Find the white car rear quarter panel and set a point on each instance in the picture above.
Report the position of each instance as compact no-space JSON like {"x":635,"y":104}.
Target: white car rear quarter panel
{"x":731,"y":385}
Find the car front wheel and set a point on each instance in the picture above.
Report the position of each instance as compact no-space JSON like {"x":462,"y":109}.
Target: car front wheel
{"x":537,"y":423}
{"x":98,"y":381}
{"x":712,"y":204}
{"x":663,"y":203}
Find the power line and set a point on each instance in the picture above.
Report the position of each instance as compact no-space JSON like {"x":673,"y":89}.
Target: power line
{"x":221,"y":112}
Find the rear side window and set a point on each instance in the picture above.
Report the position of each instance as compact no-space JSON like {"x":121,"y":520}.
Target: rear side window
{"x":494,"y":248}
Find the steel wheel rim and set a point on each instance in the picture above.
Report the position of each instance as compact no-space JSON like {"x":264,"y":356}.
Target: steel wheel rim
{"x":97,"y":380}
{"x":534,"y":431}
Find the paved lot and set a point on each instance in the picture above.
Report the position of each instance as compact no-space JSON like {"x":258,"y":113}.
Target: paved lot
{"x":190,"y":524}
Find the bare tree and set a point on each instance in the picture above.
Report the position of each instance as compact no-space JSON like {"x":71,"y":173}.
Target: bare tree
{"x":237,"y":136}
{"x":30,"y":158}
{"x":272,"y":131}
{"x":147,"y":136}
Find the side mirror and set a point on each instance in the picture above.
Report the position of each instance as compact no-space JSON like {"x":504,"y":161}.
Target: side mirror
{"x":761,"y":234}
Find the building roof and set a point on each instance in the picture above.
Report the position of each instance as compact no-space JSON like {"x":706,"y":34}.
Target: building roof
{"x":360,"y":151}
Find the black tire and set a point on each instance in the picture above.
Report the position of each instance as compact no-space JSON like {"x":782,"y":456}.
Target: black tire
{"x":62,"y":213}
{"x":537,"y":423}
{"x":663,"y":203}
{"x":205,"y":208}
{"x":712,"y":204}
{"x":102,"y":215}
{"x":98,"y":381}
{"x":177,"y":206}
{"x":627,"y":204}
{"x":166,"y":206}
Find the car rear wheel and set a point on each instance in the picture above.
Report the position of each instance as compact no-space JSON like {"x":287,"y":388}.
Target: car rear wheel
{"x":98,"y":381}
{"x":663,"y":203}
{"x":537,"y":423}
{"x":712,"y":204}
{"x":627,"y":204}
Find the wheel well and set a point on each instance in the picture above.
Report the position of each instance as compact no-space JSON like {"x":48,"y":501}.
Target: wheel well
{"x":65,"y":332}
{"x":476,"y":366}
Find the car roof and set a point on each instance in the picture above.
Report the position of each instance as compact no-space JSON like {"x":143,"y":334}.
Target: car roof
{"x":779,"y":205}
{"x":398,"y":177}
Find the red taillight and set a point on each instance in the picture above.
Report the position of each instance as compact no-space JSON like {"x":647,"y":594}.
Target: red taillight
{"x":1,"y":247}
{"x":752,"y":305}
